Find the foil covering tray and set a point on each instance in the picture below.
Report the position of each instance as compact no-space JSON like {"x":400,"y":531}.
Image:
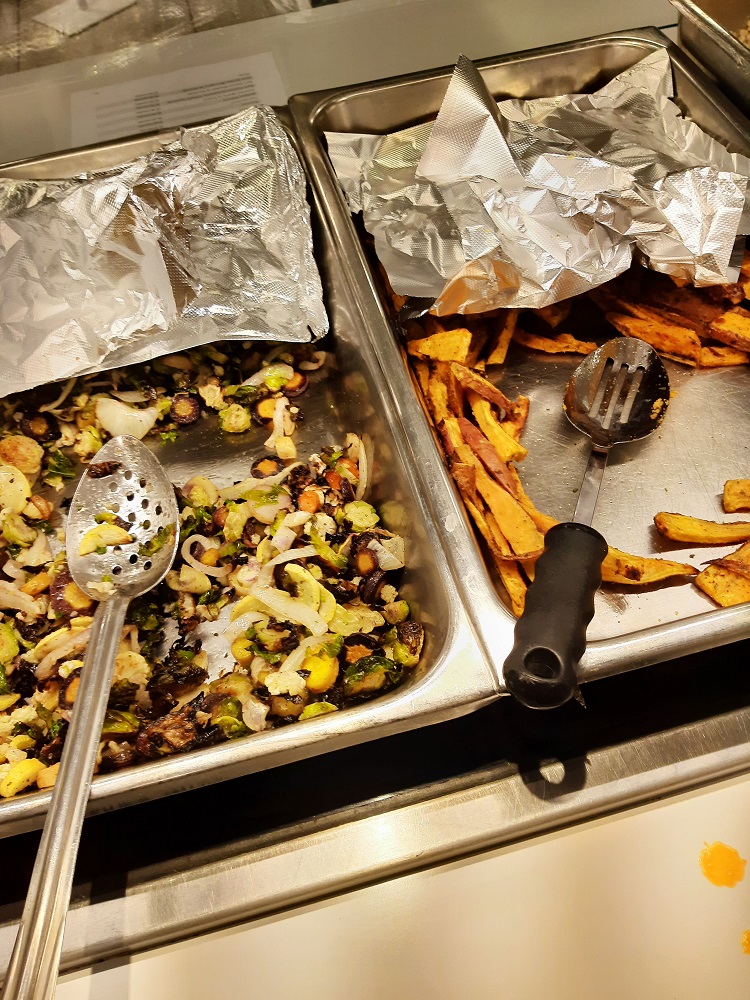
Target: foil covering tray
{"x":349,"y":394}
{"x":705,"y":441}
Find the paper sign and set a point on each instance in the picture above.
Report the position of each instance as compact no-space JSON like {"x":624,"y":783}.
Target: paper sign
{"x":182,"y":97}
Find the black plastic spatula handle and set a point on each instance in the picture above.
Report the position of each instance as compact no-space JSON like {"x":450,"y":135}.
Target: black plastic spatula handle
{"x":550,"y":636}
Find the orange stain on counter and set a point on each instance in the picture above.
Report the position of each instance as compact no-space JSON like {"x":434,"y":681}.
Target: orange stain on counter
{"x":723,"y":866}
{"x":746,"y":942}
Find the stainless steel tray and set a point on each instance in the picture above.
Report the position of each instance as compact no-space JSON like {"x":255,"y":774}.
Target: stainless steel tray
{"x":706,"y":32}
{"x":453,"y":677}
{"x":705,"y":441}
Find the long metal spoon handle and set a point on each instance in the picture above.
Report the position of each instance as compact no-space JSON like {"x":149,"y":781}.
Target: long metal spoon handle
{"x":33,"y":969}
{"x":592,"y":482}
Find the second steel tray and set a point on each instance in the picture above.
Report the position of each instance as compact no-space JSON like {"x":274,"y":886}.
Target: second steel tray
{"x":705,"y":441}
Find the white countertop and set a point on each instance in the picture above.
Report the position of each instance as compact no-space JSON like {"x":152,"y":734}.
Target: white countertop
{"x":615,"y":908}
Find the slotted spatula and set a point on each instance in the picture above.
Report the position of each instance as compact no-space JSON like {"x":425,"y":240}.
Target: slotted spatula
{"x":619,"y":393}
{"x":125,"y":481}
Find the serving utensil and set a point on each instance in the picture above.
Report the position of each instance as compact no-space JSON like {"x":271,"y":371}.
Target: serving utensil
{"x":619,"y":393}
{"x":126,"y":482}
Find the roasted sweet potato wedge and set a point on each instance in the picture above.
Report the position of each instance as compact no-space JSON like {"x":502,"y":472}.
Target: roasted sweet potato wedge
{"x":486,"y":454}
{"x":678,"y":342}
{"x":738,"y":562}
{"x":503,"y":336}
{"x":505,"y":444}
{"x":736,"y":495}
{"x":628,"y":570}
{"x":721,"y":357}
{"x":511,"y":576}
{"x":447,"y":345}
{"x":553,"y":315}
{"x":724,"y":586}
{"x":422,"y":371}
{"x":696,"y":531}
{"x":732,"y":328}
{"x":562,"y":343}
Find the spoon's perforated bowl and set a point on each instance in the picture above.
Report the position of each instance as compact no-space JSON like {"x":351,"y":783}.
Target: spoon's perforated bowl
{"x":125,"y":481}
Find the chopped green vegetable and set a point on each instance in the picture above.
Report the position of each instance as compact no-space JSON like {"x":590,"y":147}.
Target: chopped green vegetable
{"x":59,"y":464}
{"x":227,"y":715}
{"x":17,"y":531}
{"x":406,"y":640}
{"x":4,"y":686}
{"x":275,"y":381}
{"x":325,"y":552}
{"x":397,"y":611}
{"x":361,"y":515}
{"x":243,"y":393}
{"x":167,"y":437}
{"x":235,"y":419}
{"x":120,"y":723}
{"x":210,"y":597}
{"x":106,"y":517}
{"x":370,"y":674}
{"x":162,"y":537}
{"x":8,"y":646}
{"x":317,"y":708}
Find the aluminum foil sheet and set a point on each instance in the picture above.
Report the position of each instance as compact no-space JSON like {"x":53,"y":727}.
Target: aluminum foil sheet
{"x":526,"y":202}
{"x":206,"y":239}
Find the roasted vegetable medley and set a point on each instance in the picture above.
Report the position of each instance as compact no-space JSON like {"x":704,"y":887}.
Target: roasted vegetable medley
{"x":290,"y":567}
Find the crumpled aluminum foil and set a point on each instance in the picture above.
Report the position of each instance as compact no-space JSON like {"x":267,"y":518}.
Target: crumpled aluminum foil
{"x":527,"y":202}
{"x":206,"y":239}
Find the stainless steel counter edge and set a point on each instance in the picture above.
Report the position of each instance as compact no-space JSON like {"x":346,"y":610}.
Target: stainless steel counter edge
{"x":493,"y":624}
{"x":392,"y":837}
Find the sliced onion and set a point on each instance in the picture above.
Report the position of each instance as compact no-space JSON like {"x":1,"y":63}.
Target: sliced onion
{"x":221,"y":572}
{"x":75,"y":643}
{"x":364,"y":470}
{"x":37,"y":554}
{"x":389,"y":556}
{"x":297,"y":657}
{"x":242,"y":624}
{"x":277,"y":369}
{"x":129,"y":395}
{"x":278,"y":421}
{"x":15,"y":600}
{"x":254,"y":712}
{"x":266,"y":512}
{"x":266,"y":573}
{"x":291,"y":609}
{"x":66,"y":389}
{"x":251,"y":483}
{"x":318,"y":362}
{"x":286,"y":534}
{"x":118,"y":418}
{"x":130,"y":634}
{"x":14,"y":570}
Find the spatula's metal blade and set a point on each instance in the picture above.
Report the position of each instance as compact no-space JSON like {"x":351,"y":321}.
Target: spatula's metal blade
{"x":618,"y":393}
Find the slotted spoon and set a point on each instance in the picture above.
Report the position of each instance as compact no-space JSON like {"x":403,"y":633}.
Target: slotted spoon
{"x":125,"y":480}
{"x":619,"y":393}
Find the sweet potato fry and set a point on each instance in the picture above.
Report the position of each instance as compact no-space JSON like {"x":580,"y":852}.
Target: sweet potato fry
{"x":732,"y":328}
{"x":453,"y":387}
{"x":422,"y":372}
{"x":486,"y":454}
{"x":721,"y":357}
{"x":736,"y":495}
{"x":563,"y":343}
{"x":543,"y":521}
{"x":515,"y":423}
{"x":447,"y":345}
{"x":515,"y":523}
{"x":437,"y":399}
{"x":504,"y":443}
{"x":465,"y":477}
{"x":696,"y":531}
{"x":503,"y":336}
{"x":513,"y":581}
{"x":553,"y":315}
{"x":687,"y":302}
{"x":745,"y":273}
{"x":737,"y":562}
{"x":628,"y":570}
{"x":484,"y":388}
{"x":678,"y":342}
{"x":723,"y":586}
